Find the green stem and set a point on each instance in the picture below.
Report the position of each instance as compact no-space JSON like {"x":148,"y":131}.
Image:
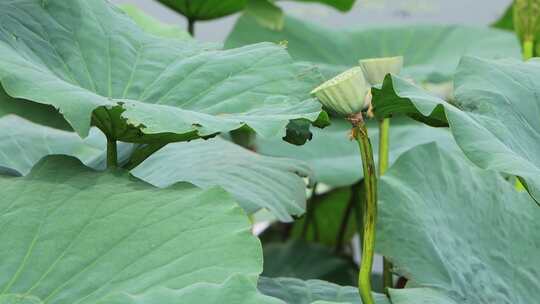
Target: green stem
{"x":112,"y":153}
{"x":191,"y":27}
{"x":384,"y":144}
{"x":370,"y":212}
{"x":519,"y":186}
{"x":384,"y":148}
{"x":528,"y":49}
{"x":309,"y":213}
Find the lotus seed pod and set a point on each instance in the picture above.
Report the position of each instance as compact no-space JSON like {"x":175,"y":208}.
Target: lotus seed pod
{"x":376,"y":69}
{"x":345,"y":93}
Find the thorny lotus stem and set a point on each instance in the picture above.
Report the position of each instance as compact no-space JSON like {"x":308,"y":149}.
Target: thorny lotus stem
{"x":112,"y":154}
{"x":360,"y":133}
{"x":384,"y":146}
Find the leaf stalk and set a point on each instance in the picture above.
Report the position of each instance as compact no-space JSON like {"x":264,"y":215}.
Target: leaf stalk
{"x":360,"y":133}
{"x":191,"y":27}
{"x":384,"y":152}
{"x":112,"y":153}
{"x":310,"y":215}
{"x":528,"y":49}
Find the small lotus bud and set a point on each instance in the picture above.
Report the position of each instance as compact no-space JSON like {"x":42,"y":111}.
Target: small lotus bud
{"x":376,"y":69}
{"x":344,"y":93}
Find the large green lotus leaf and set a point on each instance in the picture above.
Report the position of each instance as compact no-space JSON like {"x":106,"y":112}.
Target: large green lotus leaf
{"x":255,"y":181}
{"x":266,"y":12}
{"x":19,"y":299}
{"x":269,"y":15}
{"x":24,"y":143}
{"x":461,"y":231}
{"x":335,"y":160}
{"x":152,"y":25}
{"x":205,"y":9}
{"x":295,"y":291}
{"x":237,"y":290}
{"x":342,"y":5}
{"x":212,"y":9}
{"x":431,"y":52}
{"x":93,"y":63}
{"x":494,"y":119}
{"x":506,"y":21}
{"x":71,"y":235}
{"x":420,"y":296}
{"x":399,"y":96}
{"x":35,"y":112}
{"x":297,"y":259}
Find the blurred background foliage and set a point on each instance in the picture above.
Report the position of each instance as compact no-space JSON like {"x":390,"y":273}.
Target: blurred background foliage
{"x":364,"y":12}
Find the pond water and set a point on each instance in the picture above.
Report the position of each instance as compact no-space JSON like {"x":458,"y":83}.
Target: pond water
{"x":365,"y":12}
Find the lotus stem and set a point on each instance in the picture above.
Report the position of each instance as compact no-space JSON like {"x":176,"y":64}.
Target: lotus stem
{"x":526,"y":17}
{"x":191,"y":27}
{"x":384,"y":146}
{"x":518,"y":185}
{"x":528,"y":49}
{"x":310,"y":213}
{"x":112,"y":153}
{"x":360,"y":133}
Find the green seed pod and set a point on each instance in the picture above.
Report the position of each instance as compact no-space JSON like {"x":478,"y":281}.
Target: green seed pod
{"x":345,"y":93}
{"x":376,"y":69}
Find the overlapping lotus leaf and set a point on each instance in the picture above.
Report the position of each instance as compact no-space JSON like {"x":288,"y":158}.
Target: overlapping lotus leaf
{"x":493,"y":117}
{"x":212,"y":9}
{"x":256,"y":181}
{"x":92,"y":62}
{"x":458,"y":233}
{"x":295,"y":291}
{"x":73,"y":235}
{"x":431,"y":52}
